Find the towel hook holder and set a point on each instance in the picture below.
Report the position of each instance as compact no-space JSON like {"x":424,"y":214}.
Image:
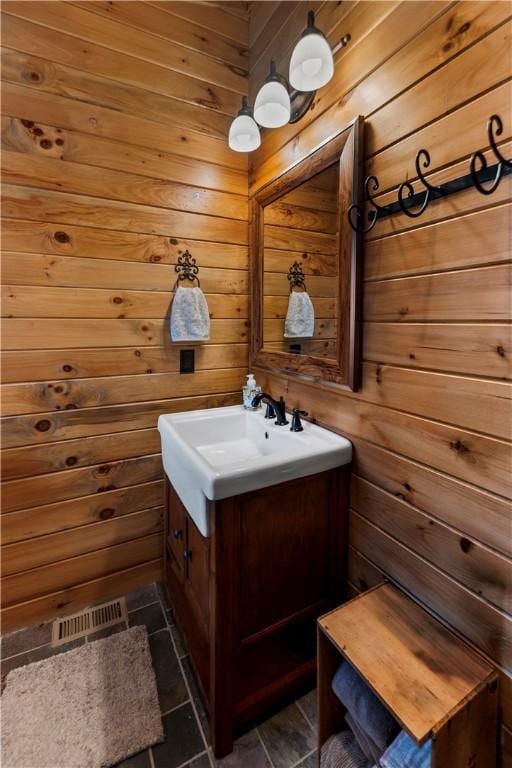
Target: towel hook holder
{"x":187,"y":268}
{"x":411,"y":195}
{"x":357,"y":209}
{"x":494,"y":126}
{"x":296,"y":277}
{"x":480,"y":173}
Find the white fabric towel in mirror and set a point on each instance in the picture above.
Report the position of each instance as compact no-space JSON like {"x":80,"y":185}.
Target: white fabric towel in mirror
{"x":300,"y":318}
{"x":190,"y":319}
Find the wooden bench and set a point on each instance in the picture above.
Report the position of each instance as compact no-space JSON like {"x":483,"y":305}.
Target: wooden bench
{"x":430,"y":681}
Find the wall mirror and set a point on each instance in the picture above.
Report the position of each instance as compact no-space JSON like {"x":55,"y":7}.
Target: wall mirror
{"x":305,"y":266}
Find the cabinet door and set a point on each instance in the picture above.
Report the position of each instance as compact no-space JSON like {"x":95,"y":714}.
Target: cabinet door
{"x":198,"y":570}
{"x":285,"y":551}
{"x":176,"y":529}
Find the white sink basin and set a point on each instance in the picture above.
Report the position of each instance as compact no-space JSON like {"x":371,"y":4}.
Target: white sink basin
{"x":221,"y":452}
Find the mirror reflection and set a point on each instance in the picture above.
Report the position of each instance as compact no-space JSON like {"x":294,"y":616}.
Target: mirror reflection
{"x":300,"y":268}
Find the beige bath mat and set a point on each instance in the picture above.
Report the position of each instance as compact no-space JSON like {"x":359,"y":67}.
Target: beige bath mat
{"x":87,"y":708}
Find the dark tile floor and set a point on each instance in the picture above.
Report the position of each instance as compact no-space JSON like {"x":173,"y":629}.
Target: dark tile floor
{"x":286,"y":740}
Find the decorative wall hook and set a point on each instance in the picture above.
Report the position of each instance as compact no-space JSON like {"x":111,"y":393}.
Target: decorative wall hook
{"x":406,"y":185}
{"x":494,"y":125}
{"x":187,"y":268}
{"x":358,"y":209}
{"x":296,"y":276}
{"x":480,"y":173}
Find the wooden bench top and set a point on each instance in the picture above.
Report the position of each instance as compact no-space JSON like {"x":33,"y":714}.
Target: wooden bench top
{"x":420,"y":670}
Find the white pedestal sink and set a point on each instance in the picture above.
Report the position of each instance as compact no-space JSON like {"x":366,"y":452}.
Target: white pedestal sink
{"x":221,"y":452}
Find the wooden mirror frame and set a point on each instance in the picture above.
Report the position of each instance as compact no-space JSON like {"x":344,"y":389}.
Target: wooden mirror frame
{"x":346,"y":149}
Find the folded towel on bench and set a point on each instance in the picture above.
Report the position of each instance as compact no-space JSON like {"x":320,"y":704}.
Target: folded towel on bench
{"x":370,"y":714}
{"x":370,"y":749}
{"x":404,"y":753}
{"x":341,"y":751}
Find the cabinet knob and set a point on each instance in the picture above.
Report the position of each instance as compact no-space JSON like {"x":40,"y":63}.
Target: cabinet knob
{"x":187,"y":554}
{"x":177,"y":533}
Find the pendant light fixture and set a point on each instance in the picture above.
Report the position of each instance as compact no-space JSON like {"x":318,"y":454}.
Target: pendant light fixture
{"x":277,"y":102}
{"x":272,"y":107}
{"x":312,"y":63}
{"x":244,"y":134}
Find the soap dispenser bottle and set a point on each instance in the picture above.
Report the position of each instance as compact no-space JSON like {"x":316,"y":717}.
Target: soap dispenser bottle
{"x":249,"y":392}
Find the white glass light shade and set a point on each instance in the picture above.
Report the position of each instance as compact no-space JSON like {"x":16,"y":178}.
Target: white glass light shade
{"x":312,"y":64}
{"x":244,"y":134}
{"x":272,"y":106}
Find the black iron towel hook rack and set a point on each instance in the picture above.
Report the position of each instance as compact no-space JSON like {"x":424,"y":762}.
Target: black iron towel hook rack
{"x":187,"y":268}
{"x":296,"y":276}
{"x":483,"y":176}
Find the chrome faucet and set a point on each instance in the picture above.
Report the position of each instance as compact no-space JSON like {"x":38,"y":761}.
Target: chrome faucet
{"x":278,"y":406}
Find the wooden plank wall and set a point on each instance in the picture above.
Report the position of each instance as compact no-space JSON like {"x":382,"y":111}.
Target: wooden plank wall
{"x":431,"y":425}
{"x":114,"y":162}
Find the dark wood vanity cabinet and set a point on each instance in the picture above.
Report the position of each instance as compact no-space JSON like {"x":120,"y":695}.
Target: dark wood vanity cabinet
{"x":248,"y":596}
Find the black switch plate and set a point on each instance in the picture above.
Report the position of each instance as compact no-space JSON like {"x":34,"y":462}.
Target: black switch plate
{"x":187,"y":361}
{"x":295,"y":349}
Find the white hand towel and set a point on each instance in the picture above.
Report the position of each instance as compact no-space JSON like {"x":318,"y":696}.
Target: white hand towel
{"x":300,"y":318}
{"x":190,"y":319}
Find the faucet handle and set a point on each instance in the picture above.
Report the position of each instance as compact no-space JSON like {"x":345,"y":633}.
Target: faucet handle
{"x":296,"y":422}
